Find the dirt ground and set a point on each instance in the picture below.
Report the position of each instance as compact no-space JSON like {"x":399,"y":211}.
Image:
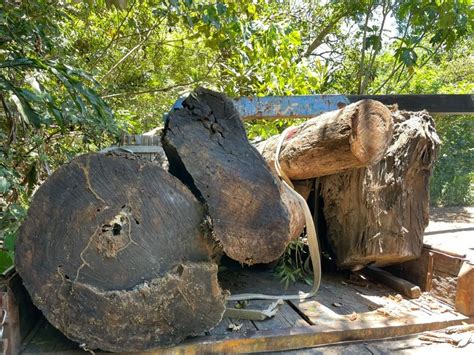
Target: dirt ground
{"x":452,"y":228}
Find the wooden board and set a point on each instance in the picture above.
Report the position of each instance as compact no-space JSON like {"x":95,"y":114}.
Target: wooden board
{"x":327,"y":319}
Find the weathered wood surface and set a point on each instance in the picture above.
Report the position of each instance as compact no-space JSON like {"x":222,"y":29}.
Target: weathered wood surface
{"x":207,"y":148}
{"x":328,"y":318}
{"x":355,"y":136}
{"x":446,"y":276}
{"x":114,"y":253}
{"x":403,"y":286}
{"x":465,"y":289}
{"x":378,"y":214}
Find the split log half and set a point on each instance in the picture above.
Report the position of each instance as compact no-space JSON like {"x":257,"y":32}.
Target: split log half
{"x":253,"y":216}
{"x":378,"y":214}
{"x":114,"y":253}
{"x":355,"y":136}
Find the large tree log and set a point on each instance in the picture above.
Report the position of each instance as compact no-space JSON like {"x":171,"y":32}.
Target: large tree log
{"x":355,"y":136}
{"x":115,"y":254}
{"x":253,"y":216}
{"x":378,"y":214}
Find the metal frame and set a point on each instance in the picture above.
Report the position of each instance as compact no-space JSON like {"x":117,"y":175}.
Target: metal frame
{"x":277,"y":107}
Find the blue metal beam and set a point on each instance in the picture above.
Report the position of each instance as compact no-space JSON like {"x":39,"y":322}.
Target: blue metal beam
{"x":276,"y":107}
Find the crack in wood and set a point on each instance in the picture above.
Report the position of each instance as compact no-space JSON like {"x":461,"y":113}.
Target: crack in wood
{"x":85,"y":170}
{"x":130,"y":239}
{"x":81,"y":255}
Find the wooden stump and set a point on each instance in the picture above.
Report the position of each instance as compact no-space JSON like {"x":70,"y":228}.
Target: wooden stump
{"x":207,"y":147}
{"x":355,"y":136}
{"x":378,"y":214}
{"x":115,"y":254}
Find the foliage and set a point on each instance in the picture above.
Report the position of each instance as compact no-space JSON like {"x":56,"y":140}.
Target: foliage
{"x":294,"y":265}
{"x":452,"y":182}
{"x":453,"y":179}
{"x":51,"y":110}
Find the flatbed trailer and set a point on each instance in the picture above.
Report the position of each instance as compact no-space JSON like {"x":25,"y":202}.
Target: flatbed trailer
{"x":344,"y":310}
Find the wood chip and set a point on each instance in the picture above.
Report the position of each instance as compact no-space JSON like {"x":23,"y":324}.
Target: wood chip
{"x":384,"y":312}
{"x":235,"y":327}
{"x":337,"y":304}
{"x":353,"y":316}
{"x":396,"y":298}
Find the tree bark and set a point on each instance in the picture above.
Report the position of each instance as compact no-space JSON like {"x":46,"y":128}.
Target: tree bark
{"x":253,"y":216}
{"x":115,"y":252}
{"x":377,"y":215}
{"x":355,"y":136}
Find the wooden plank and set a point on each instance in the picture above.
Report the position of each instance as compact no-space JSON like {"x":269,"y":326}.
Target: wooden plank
{"x":45,"y":339}
{"x":292,"y":338}
{"x":286,"y":317}
{"x":403,"y":286}
{"x":223,"y":328}
{"x":465,"y":290}
{"x":379,"y":314}
{"x":310,"y":336}
{"x":356,"y":302}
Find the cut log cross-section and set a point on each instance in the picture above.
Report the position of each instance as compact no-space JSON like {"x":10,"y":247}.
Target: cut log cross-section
{"x":355,"y":136}
{"x":114,"y":252}
{"x":253,"y":216}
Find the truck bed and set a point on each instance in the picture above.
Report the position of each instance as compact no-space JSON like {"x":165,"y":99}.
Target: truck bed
{"x":343,"y":310}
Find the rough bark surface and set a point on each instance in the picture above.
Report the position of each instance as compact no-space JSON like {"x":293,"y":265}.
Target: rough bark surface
{"x":208,"y":149}
{"x":355,"y":136}
{"x":378,"y":214}
{"x":114,"y":253}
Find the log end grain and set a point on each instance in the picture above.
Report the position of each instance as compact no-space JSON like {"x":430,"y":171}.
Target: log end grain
{"x":112,"y":252}
{"x":372,"y":130}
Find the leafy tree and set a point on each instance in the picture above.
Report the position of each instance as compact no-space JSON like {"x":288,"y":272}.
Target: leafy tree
{"x":50,"y":110}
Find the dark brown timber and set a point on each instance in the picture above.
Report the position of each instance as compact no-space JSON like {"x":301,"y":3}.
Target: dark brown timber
{"x":356,"y":136}
{"x":115,"y":254}
{"x":378,"y":214}
{"x":253,"y":216}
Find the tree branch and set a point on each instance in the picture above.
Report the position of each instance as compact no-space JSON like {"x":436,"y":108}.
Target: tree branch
{"x":130,"y":52}
{"x":164,"y":89}
{"x":385,"y":11}
{"x":362,"y":56}
{"x":151,"y":90}
{"x":422,"y":65}
{"x":114,"y":37}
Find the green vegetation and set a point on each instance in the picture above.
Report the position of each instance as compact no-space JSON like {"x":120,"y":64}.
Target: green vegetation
{"x":76,"y":75}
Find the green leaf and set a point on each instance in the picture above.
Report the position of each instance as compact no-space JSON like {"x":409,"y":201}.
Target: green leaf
{"x":407,"y":56}
{"x":251,"y":9}
{"x":295,"y":37}
{"x":374,"y":42}
{"x":4,"y":185}
{"x":25,"y":109}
